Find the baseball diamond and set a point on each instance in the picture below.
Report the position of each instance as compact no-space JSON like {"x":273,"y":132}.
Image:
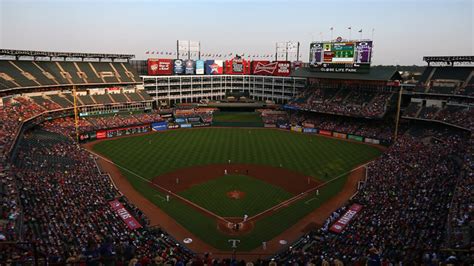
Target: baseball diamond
{"x":278,"y":171}
{"x":232,"y":133}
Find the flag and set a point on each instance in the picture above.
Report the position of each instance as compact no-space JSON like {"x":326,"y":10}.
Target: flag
{"x":147,"y":52}
{"x":349,"y":28}
{"x":331,"y":28}
{"x":360,"y":30}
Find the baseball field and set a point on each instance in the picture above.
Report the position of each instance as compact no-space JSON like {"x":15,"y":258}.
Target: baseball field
{"x":213,"y":177}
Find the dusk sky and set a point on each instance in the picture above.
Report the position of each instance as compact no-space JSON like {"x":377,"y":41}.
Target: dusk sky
{"x":404,"y":31}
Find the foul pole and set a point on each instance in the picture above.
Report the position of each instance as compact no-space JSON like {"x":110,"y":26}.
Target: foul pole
{"x":76,"y":116}
{"x":397,"y":119}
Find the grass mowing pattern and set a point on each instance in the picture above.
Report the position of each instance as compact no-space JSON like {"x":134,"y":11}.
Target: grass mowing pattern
{"x":259,"y":196}
{"x":155,"y":154}
{"x":237,"y":119}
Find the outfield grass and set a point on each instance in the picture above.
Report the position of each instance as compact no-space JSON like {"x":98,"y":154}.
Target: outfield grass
{"x":259,"y":195}
{"x":154,"y":154}
{"x":237,"y":119}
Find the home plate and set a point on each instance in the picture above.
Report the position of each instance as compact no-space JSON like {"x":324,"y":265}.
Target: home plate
{"x":187,"y":240}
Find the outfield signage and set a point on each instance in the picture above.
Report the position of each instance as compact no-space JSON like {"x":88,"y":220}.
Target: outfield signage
{"x":159,"y":126}
{"x":373,"y":141}
{"x":129,"y":220}
{"x":309,"y":130}
{"x":345,"y":219}
{"x":296,"y":128}
{"x":339,"y":135}
{"x":102,"y":134}
{"x":325,"y":132}
{"x":356,"y":138}
{"x":186,"y":125}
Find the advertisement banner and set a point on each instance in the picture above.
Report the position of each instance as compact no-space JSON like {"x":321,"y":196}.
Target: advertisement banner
{"x":102,"y":134}
{"x":214,"y":67}
{"x":152,"y":66}
{"x":160,"y":66}
{"x":296,"y":64}
{"x":180,"y":120}
{"x":159,"y":126}
{"x":297,"y":129}
{"x":117,"y":132}
{"x":199,"y":67}
{"x":283,"y":126}
{"x":325,"y":132}
{"x":237,"y":66}
{"x":189,"y":67}
{"x":129,"y":220}
{"x":339,"y":135}
{"x":345,"y":219}
{"x":267,"y":68}
{"x":202,"y":125}
{"x":308,"y":125}
{"x":373,"y":141}
{"x":309,"y":130}
{"x":186,"y":125}
{"x":178,"y":66}
{"x":356,"y":138}
{"x":262,"y":68}
{"x":270,"y":125}
{"x":173,"y":126}
{"x":283,"y":68}
{"x":194,"y":119}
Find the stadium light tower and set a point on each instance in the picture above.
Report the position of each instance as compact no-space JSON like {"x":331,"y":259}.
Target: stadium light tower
{"x":287,"y":48}
{"x":187,"y":48}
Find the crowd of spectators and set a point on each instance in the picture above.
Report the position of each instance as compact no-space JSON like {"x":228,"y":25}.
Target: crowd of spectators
{"x":359,"y":103}
{"x":273,"y":117}
{"x":66,"y":212}
{"x":459,"y":115}
{"x":461,"y":216}
{"x":12,"y":113}
{"x":422,"y":183}
{"x":376,"y":129}
{"x":406,"y":202}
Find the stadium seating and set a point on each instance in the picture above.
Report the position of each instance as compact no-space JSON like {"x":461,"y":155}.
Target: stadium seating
{"x":29,"y":74}
{"x":350,"y":102}
{"x":461,"y":115}
{"x":405,"y":209}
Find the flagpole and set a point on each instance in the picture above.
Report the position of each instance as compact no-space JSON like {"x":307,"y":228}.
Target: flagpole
{"x":350,"y":32}
{"x":373,"y":33}
{"x":331,"y":32}
{"x":360,"y":34}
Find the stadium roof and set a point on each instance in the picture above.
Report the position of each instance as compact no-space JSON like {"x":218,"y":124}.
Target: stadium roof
{"x":468,"y":59}
{"x":62,"y":54}
{"x":375,"y":74}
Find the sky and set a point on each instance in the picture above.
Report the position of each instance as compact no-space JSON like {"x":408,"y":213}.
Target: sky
{"x":403,"y":31}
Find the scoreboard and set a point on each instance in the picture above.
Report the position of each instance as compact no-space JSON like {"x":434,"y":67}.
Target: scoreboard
{"x":341,"y":56}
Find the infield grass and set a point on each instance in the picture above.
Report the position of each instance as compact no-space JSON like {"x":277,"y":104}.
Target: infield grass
{"x":259,"y":195}
{"x":149,"y":156}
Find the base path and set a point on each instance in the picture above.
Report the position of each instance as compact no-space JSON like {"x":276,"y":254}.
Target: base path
{"x":157,"y":217}
{"x":185,"y":178}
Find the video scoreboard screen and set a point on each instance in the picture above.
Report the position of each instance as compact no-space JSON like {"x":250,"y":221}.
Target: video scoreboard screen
{"x":341,"y":56}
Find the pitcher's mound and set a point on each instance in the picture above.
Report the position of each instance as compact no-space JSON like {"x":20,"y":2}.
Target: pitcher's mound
{"x":236,"y":194}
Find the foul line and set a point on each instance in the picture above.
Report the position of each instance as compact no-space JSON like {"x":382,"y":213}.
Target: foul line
{"x":303,"y":194}
{"x":308,"y":201}
{"x":162,"y":188}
